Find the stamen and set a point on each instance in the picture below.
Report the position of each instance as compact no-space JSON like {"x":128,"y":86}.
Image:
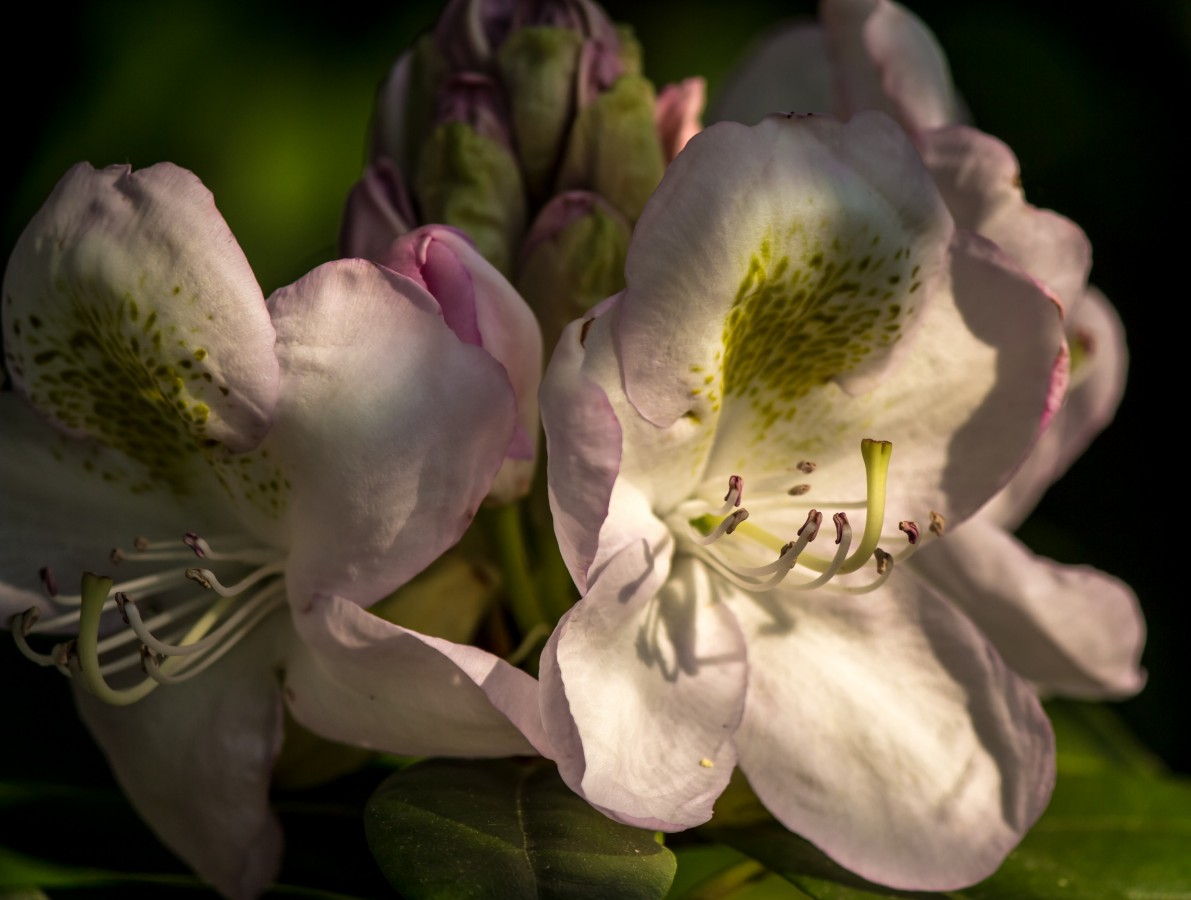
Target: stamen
{"x":196,"y":543}
{"x":843,"y":540}
{"x":937,"y":523}
{"x":117,"y":556}
{"x":48,"y":581}
{"x":20,"y":625}
{"x":884,"y":569}
{"x":841,"y":522}
{"x":910,"y":529}
{"x":813,"y":520}
{"x":735,"y":494}
{"x":140,"y":543}
{"x":207,"y":578}
{"x":806,"y":466}
{"x":798,"y":490}
{"x":94,"y":598}
{"x":214,"y":637}
{"x":726,"y":526}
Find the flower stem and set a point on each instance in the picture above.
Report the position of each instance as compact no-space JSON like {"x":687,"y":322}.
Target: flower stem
{"x":504,"y":527}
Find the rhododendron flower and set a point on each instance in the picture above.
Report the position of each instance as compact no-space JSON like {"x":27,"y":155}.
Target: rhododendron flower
{"x":810,"y":373}
{"x":1069,"y":629}
{"x":265,"y":470}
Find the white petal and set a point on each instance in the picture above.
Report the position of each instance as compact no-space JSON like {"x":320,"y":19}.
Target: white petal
{"x":642,"y":687}
{"x":390,"y":430}
{"x":131,"y":315}
{"x":68,"y":502}
{"x":195,"y":760}
{"x":786,"y":70}
{"x":355,"y":678}
{"x":1071,"y":630}
{"x":886,"y":731}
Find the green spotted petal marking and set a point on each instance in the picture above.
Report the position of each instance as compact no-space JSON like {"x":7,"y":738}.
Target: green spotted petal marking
{"x":131,"y":316}
{"x":798,"y":323}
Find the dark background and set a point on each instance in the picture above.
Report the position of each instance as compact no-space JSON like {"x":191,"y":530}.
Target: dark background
{"x":270,"y":107}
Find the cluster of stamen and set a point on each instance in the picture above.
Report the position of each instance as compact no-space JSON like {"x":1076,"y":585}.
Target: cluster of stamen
{"x":708,"y":534}
{"x":187,"y":632}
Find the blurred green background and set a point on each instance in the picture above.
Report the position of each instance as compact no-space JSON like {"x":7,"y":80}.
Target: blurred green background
{"x":269,"y":104}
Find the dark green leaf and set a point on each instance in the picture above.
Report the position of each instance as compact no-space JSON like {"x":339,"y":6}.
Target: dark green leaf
{"x":501,"y":830}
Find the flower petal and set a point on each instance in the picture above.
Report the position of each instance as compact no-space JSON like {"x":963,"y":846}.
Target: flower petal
{"x":961,"y":411}
{"x":195,"y":760}
{"x":483,"y":309}
{"x":887,"y":59}
{"x":66,"y":504}
{"x":980,"y":181}
{"x":131,"y":315}
{"x":779,"y":257}
{"x":787,"y":70}
{"x":886,"y":731}
{"x":583,"y":452}
{"x":642,"y":685}
{"x":415,"y":422}
{"x":1071,"y":630}
{"x":355,"y":678}
{"x":1100,"y":359}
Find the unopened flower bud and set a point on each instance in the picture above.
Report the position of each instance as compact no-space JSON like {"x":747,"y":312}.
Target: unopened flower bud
{"x":539,"y":67}
{"x":469,"y":31}
{"x":614,"y":149}
{"x":472,"y":182}
{"x":572,"y":258}
{"x":678,"y":114}
{"x":378,"y":212}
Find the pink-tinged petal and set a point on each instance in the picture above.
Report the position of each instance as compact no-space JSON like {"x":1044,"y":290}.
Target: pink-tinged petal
{"x":1071,"y":630}
{"x":390,"y":430}
{"x":355,"y":678}
{"x":483,"y":309}
{"x":777,"y":259}
{"x":886,"y":59}
{"x":642,"y":686}
{"x":68,"y":502}
{"x":1099,"y":363}
{"x":582,"y":452}
{"x":980,"y":181}
{"x":195,"y":760}
{"x":378,"y":212}
{"x":132,"y":316}
{"x":885,"y":730}
{"x":787,"y":70}
{"x":678,"y":114}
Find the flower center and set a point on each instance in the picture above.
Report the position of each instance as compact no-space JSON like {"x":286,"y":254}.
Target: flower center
{"x":193,"y":617}
{"x":729,"y":540}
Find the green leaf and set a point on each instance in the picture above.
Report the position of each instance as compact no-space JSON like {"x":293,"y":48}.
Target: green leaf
{"x":497,"y":829}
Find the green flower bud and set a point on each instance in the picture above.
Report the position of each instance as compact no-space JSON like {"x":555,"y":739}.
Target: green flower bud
{"x":471,"y":181}
{"x":613,"y":148}
{"x":538,"y":67}
{"x":572,"y":258}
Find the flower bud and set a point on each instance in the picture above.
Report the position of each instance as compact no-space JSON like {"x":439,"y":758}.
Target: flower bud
{"x":467,"y":175}
{"x":678,"y":114}
{"x":572,"y":258}
{"x":484,"y":310}
{"x":539,"y":67}
{"x":614,"y":149}
{"x":378,"y":212}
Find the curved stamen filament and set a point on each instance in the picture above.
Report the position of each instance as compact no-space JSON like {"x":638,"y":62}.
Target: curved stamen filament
{"x":155,"y":582}
{"x":214,"y":637}
{"x":20,"y":625}
{"x":160,"y":671}
{"x":207,"y":579}
{"x":884,"y":570}
{"x":727,"y":525}
{"x":843,"y":540}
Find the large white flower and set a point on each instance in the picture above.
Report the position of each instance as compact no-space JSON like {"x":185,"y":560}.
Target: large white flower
{"x":1069,"y":629}
{"x":264,"y":469}
{"x":804,"y":335}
